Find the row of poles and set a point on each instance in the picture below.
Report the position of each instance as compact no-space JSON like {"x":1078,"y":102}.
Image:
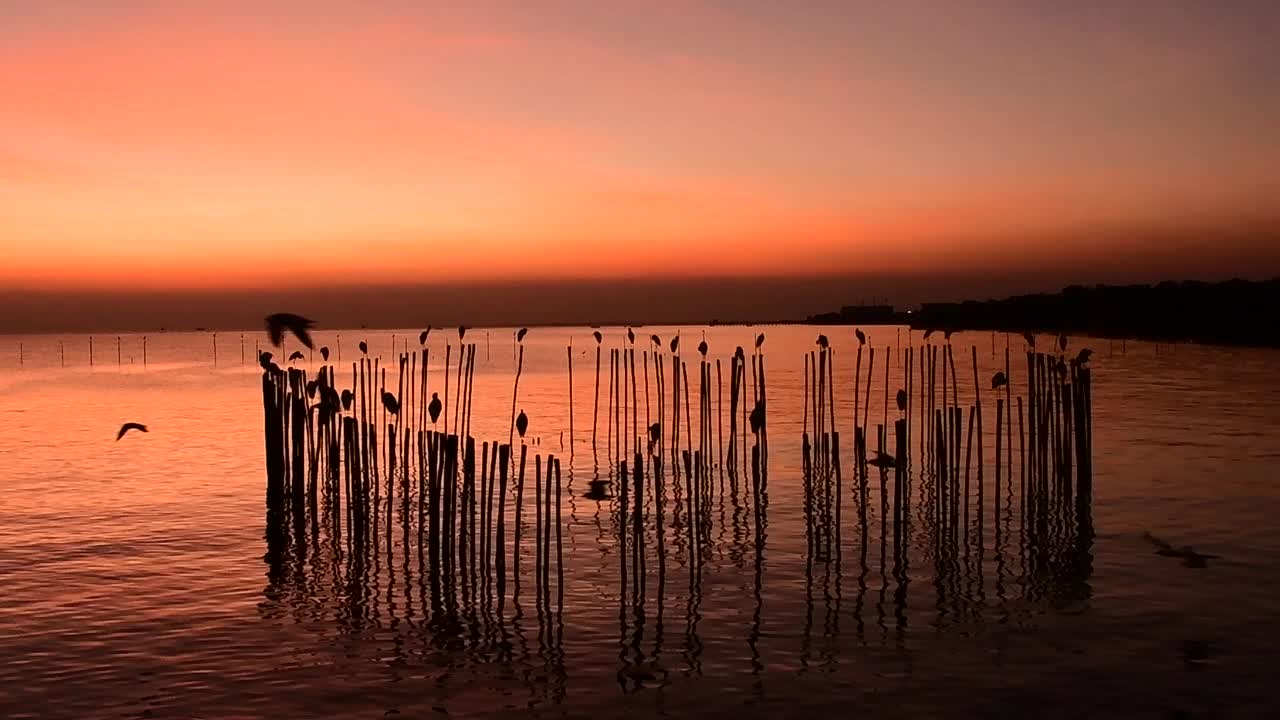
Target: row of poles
{"x":417,"y":494}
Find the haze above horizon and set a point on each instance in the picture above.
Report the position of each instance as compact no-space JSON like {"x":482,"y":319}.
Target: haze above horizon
{"x":237,"y":147}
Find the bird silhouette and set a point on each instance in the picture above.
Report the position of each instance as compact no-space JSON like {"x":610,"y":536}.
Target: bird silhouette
{"x":927,"y":333}
{"x":1030,"y":338}
{"x":1083,"y":356}
{"x":882,"y":460}
{"x":1188,"y":554}
{"x":902,"y":400}
{"x":631,"y":336}
{"x":324,"y":353}
{"x":520,"y":335}
{"x":422,"y":336}
{"x":702,"y":348}
{"x":823,"y":342}
{"x":264,"y":358}
{"x":130,"y":426}
{"x":862,"y":337}
{"x":946,"y":335}
{"x":390,"y":402}
{"x":296,"y":355}
{"x":759,"y":340}
{"x":738,"y":352}
{"x":347,"y":399}
{"x":599,"y":338}
{"x":312,"y":386}
{"x":1062,"y":341}
{"x":434,"y":407}
{"x":998,"y":380}
{"x":364,"y":347}
{"x":657,"y":341}
{"x":278,"y":323}
{"x":675,"y":343}
{"x":522,"y":423}
{"x":462,"y":330}
{"x":757,"y":417}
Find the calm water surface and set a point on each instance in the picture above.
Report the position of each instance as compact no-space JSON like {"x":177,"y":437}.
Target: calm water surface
{"x":133,"y":581}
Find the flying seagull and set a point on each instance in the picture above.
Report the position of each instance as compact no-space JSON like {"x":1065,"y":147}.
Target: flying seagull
{"x":278,"y":323}
{"x":422,"y":336}
{"x":520,"y":335}
{"x":435,"y":407}
{"x":522,"y":423}
{"x":599,"y":338}
{"x":823,"y":342}
{"x":902,"y":400}
{"x":296,"y":355}
{"x":862,"y":337}
{"x":390,"y":403}
{"x":884,"y":461}
{"x":759,"y":340}
{"x":130,"y":426}
{"x":999,"y":380}
{"x":324,"y":353}
{"x":1190,"y":557}
{"x":364,"y":347}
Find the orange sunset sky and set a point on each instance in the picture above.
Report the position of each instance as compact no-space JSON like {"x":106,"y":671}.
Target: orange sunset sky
{"x":147,"y":145}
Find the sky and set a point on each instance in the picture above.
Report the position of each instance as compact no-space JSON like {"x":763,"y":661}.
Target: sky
{"x":150,"y":146}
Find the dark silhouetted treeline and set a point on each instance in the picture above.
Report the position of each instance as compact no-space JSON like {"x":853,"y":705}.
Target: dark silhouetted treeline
{"x":1235,"y":312}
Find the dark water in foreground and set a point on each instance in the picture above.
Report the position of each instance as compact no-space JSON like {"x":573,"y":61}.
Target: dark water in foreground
{"x":132,"y":580}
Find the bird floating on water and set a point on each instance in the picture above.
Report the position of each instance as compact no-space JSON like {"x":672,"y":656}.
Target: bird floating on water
{"x":324,"y":353}
{"x":296,"y":355}
{"x":364,"y":347}
{"x":823,"y":342}
{"x":1188,"y":554}
{"x":522,"y":423}
{"x":390,"y":402}
{"x":434,"y":407}
{"x":902,"y":400}
{"x":757,"y":417}
{"x":422,"y":336}
{"x":862,"y":337}
{"x":278,"y":323}
{"x":130,"y":426}
{"x":520,"y":335}
{"x":998,"y":380}
{"x":599,"y":338}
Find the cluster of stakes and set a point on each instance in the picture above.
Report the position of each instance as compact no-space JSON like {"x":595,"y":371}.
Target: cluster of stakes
{"x":387,"y":467}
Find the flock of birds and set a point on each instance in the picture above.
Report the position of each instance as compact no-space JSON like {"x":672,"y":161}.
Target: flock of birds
{"x":330,"y":400}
